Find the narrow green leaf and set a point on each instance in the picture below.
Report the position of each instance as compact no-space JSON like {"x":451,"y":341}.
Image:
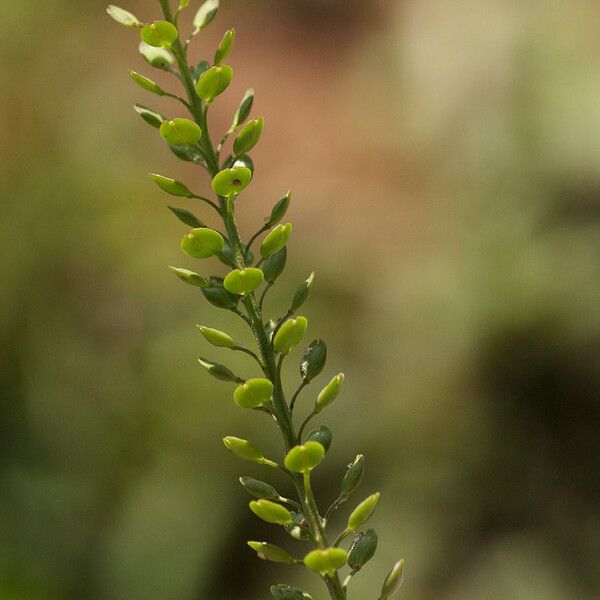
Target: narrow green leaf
{"x":219,"y":371}
{"x":151,"y":117}
{"x":171,"y":186}
{"x":185,"y":216}
{"x":145,"y":83}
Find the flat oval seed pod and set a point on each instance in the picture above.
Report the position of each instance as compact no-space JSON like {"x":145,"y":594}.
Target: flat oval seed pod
{"x":202,"y":243}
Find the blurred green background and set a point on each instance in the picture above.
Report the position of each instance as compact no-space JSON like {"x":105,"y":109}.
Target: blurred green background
{"x":445,"y":163}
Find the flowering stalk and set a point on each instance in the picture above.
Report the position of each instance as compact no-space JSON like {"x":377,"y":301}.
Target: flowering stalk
{"x":190,"y":140}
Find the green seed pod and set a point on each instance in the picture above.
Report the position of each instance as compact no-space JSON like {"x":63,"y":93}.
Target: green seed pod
{"x":145,"y":83}
{"x":298,"y":528}
{"x":362,"y":549}
{"x":279,"y":210}
{"x":214,"y":81}
{"x":185,"y":216}
{"x":271,"y":552}
{"x":270,"y":512}
{"x":393,"y":581}
{"x":290,"y":334}
{"x":248,"y":137}
{"x":287,"y":592}
{"x":354,"y":475}
{"x":183,"y":4}
{"x":276,"y":240}
{"x":151,"y":117}
{"x":313,"y":360}
{"x":189,"y":277}
{"x":363,"y":512}
{"x":274,"y":265}
{"x":216,"y":337}
{"x":187,"y":153}
{"x":243,"y":281}
{"x":243,"y":449}
{"x":206,"y":13}
{"x":225,"y":47}
{"x":171,"y":186}
{"x":302,"y":293}
{"x":322,"y":435}
{"x":219,"y":371}
{"x":304,"y":458}
{"x":202,"y":243}
{"x":230,"y":182}
{"x":218,"y":296}
{"x":329,"y":393}
{"x":259,"y":489}
{"x":123,"y":17}
{"x":326,"y":562}
{"x":160,"y":34}
{"x":159,"y":58}
{"x":180,"y":132}
{"x":241,"y":114}
{"x":253,"y":393}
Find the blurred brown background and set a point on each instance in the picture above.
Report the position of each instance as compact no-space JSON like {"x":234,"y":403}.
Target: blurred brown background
{"x":445,"y":162}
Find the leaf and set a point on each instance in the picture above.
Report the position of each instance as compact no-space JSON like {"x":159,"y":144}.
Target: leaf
{"x":206,"y":13}
{"x":185,"y":216}
{"x":313,"y":360}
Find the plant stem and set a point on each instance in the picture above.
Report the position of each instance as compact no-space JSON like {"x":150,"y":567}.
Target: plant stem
{"x":281,"y":411}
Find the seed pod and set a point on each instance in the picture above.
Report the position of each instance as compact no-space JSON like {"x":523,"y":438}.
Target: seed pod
{"x":206,"y":13}
{"x":180,"y":132}
{"x":271,"y":552}
{"x":274,"y":265}
{"x":287,"y":592}
{"x":219,"y":371}
{"x":363,"y":511}
{"x":183,"y":4}
{"x":304,"y":458}
{"x":290,"y":334}
{"x":216,"y":337}
{"x":160,"y":34}
{"x":187,"y":153}
{"x":123,"y":17}
{"x":302,"y":293}
{"x":230,"y":182}
{"x":214,"y":81}
{"x":322,"y":435}
{"x":313,"y":360}
{"x":276,"y":240}
{"x":329,"y":393}
{"x":218,"y":296}
{"x":248,"y":137}
{"x":253,"y":393}
{"x":189,"y":277}
{"x":160,"y":58}
{"x":225,"y":47}
{"x":185,"y":216}
{"x":326,"y":562}
{"x":171,"y":186}
{"x":259,"y":489}
{"x":279,"y":210}
{"x":241,"y":114}
{"x":354,"y":475}
{"x":393,"y":581}
{"x":243,"y":281}
{"x":270,"y":512}
{"x":243,"y":449}
{"x":145,"y":83}
{"x":362,"y":549}
{"x":202,"y":243}
{"x":151,"y":117}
